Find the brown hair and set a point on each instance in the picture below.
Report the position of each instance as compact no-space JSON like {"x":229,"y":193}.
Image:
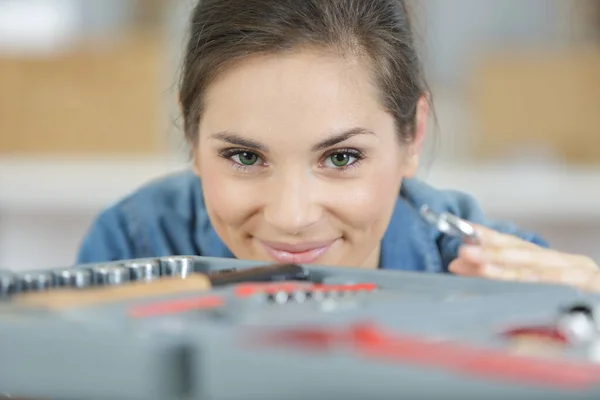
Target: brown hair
{"x":226,"y":31}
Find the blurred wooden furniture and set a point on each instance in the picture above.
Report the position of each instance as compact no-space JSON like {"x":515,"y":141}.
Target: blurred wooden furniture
{"x":534,"y":100}
{"x":99,"y":98}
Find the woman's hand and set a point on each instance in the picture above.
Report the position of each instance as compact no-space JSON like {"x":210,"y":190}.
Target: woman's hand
{"x":507,"y":257}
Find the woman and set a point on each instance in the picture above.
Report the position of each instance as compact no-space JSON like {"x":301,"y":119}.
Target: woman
{"x":306,"y":120}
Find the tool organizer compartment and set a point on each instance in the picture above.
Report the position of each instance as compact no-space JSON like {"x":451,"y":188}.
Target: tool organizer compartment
{"x":205,"y":328}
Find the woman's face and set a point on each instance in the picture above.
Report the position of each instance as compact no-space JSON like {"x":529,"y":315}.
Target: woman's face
{"x":299,"y":161}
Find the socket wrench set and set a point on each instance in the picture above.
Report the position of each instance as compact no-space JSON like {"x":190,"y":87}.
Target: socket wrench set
{"x":224,"y":329}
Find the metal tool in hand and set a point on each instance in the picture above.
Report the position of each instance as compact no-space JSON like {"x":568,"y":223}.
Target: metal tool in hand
{"x":451,"y":225}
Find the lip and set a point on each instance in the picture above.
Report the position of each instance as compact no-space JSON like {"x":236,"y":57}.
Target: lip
{"x":297,"y":253}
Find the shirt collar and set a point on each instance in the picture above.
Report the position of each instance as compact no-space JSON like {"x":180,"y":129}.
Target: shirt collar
{"x":408,"y":243}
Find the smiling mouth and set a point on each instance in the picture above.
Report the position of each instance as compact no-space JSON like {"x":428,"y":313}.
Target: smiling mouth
{"x":301,"y":253}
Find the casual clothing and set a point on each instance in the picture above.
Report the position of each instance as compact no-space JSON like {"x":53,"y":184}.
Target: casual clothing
{"x":168,"y":217}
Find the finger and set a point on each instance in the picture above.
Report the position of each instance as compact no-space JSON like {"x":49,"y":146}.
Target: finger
{"x":481,"y":255}
{"x":471,"y":261}
{"x":573,"y":277}
{"x":490,"y":237}
{"x":465,"y":268}
{"x":492,"y":271}
{"x":593,"y":284}
{"x":473,"y":254}
{"x":489,"y":267}
{"x":527,"y":265}
{"x":532,"y":258}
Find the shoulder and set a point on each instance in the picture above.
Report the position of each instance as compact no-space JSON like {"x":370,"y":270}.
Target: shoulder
{"x":172,"y":194}
{"x":136,"y":225}
{"x":463,"y":205}
{"x":169,"y":190}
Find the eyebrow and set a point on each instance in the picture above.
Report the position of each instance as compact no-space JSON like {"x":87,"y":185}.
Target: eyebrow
{"x":341,"y":137}
{"x":238,"y":140}
{"x":235,"y":139}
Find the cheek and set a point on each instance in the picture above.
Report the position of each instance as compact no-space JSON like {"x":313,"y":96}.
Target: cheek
{"x":370,"y":203}
{"x":227,"y":199}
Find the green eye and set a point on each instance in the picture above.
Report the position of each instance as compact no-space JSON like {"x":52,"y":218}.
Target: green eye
{"x":246,"y":158}
{"x":340,"y":159}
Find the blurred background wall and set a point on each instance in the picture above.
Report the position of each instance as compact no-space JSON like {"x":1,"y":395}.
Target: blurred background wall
{"x":88,"y":112}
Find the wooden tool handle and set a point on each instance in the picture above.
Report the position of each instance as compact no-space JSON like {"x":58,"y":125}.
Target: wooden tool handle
{"x":74,"y":298}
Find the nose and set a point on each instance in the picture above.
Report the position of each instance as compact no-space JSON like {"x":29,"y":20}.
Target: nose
{"x":291,"y":206}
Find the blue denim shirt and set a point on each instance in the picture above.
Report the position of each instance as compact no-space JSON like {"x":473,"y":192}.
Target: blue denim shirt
{"x":168,"y":217}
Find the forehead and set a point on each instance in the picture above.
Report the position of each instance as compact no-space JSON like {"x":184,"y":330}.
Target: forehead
{"x":304,"y":94}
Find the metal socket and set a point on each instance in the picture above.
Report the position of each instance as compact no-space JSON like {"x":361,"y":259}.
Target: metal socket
{"x":111,"y":275}
{"x":177,"y":266}
{"x":8,"y":284}
{"x":74,"y":278}
{"x":143,"y":270}
{"x":35,"y":281}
